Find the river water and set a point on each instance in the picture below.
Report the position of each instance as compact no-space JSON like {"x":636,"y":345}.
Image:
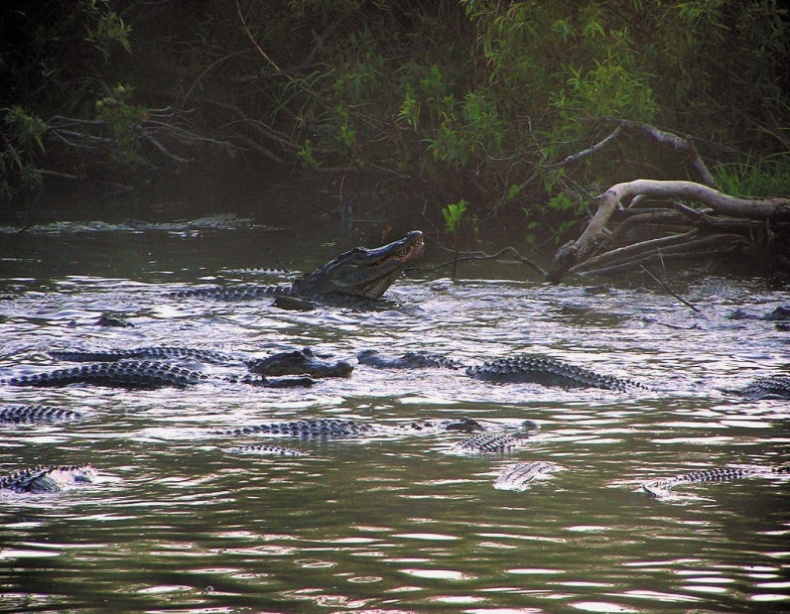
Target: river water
{"x":176,"y":523}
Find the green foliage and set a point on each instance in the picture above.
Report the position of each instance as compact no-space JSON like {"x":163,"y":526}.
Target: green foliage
{"x":764,"y":178}
{"x":22,"y":136}
{"x":453,"y":216}
{"x":53,"y":57}
{"x":124,"y":120}
{"x":460,"y":100}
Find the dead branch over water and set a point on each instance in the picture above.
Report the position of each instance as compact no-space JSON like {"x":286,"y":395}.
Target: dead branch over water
{"x":684,"y":219}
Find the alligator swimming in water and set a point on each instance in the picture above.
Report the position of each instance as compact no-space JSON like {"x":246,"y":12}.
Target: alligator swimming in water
{"x":497,"y":443}
{"x":360,"y":272}
{"x":773,"y":387}
{"x":519,"y":476}
{"x":337,"y":428}
{"x":132,"y":369}
{"x":521,"y":368}
{"x":661,"y":489}
{"x":265,"y":450}
{"x":295,"y":362}
{"x":51,"y":479}
{"x":144,"y":374}
{"x":34,"y":414}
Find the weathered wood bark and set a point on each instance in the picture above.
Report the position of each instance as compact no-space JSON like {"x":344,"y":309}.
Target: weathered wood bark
{"x":584,"y":252}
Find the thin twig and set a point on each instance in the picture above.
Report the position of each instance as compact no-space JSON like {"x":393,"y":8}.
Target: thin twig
{"x":471,"y":256}
{"x":664,"y":285}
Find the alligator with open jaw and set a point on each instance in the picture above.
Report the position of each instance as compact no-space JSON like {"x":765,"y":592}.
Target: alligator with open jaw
{"x":661,"y":489}
{"x":50,"y":479}
{"x":359,"y":272}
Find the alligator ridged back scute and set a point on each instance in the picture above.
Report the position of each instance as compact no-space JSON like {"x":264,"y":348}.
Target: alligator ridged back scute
{"x":518,"y":476}
{"x":409,"y":360}
{"x":663,"y":488}
{"x":538,"y":369}
{"x":265,"y":450}
{"x":147,"y":353}
{"x":234,"y":293}
{"x":307,"y":429}
{"x":489,"y":443}
{"x":132,"y":373}
{"x":30,"y":414}
{"x":775,"y":386}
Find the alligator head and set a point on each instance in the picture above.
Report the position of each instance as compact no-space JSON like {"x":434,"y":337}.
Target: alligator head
{"x":363,"y":272}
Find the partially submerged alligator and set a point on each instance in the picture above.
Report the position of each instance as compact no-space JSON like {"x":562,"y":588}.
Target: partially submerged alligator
{"x":497,"y":443}
{"x":35,"y":414}
{"x":122,"y":371}
{"x":519,"y":476}
{"x":521,"y":368}
{"x":360,"y":272}
{"x":158,"y":366}
{"x":773,"y":387}
{"x":337,"y":428}
{"x":51,"y":479}
{"x":661,"y":489}
{"x":148,"y":367}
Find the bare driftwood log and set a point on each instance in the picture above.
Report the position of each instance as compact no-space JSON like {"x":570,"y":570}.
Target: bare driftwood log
{"x":732,"y":212}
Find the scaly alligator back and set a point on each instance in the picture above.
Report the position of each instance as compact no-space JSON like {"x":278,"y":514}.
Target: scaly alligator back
{"x":30,"y":414}
{"x":409,"y":360}
{"x":131,"y":374}
{"x":773,"y":387}
{"x":519,"y":476}
{"x":265,"y":450}
{"x":660,"y":489}
{"x":147,"y":353}
{"x":537,"y":369}
{"x":339,"y":429}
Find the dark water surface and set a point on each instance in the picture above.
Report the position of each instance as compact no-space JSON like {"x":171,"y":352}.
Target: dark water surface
{"x":390,"y":524}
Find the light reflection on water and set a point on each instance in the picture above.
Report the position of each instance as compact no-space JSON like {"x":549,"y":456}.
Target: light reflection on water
{"x":176,"y":522}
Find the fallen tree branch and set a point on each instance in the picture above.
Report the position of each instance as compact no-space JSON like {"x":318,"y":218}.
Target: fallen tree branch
{"x":596,"y":233}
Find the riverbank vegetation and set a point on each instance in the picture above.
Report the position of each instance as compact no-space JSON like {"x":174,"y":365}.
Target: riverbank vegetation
{"x":525,"y":111}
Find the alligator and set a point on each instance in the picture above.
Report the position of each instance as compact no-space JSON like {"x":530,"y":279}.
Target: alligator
{"x":295,"y":362}
{"x":360,"y":272}
{"x":51,"y":479}
{"x":519,"y":476}
{"x":137,"y":369}
{"x":34,"y":414}
{"x":265,"y":450}
{"x":772,"y":387}
{"x":521,"y":368}
{"x":336,"y":428}
{"x":661,"y":489}
{"x":143,"y":374}
{"x":409,"y":360}
{"x":497,"y":443}
{"x":132,"y":369}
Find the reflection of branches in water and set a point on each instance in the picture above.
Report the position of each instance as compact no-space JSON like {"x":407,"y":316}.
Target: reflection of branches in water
{"x":510,"y":251}
{"x":162,"y":128}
